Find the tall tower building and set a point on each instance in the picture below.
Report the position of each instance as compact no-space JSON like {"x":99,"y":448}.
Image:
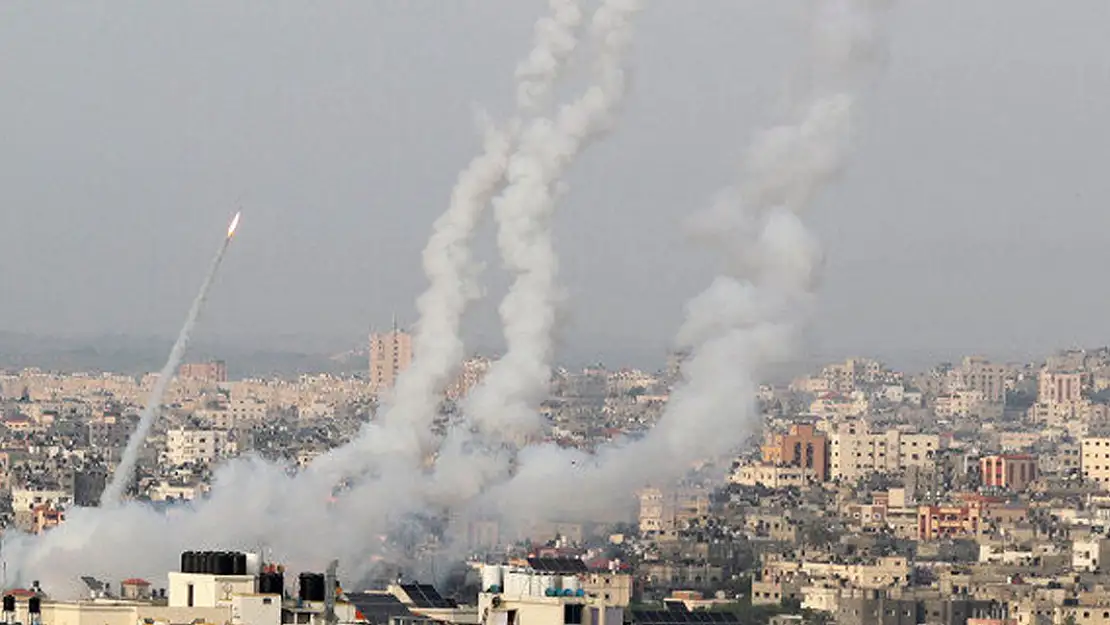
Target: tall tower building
{"x":390,"y":354}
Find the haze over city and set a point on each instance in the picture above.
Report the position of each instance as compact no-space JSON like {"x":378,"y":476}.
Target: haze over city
{"x":974,"y":203}
{"x":574,"y":312}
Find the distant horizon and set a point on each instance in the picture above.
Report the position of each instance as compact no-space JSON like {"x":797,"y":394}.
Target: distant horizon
{"x":291,"y":352}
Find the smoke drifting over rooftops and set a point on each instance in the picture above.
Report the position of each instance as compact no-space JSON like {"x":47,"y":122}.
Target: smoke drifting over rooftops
{"x":747,"y":317}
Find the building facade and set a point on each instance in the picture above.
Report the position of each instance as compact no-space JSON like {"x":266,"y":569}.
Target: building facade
{"x":390,"y":354}
{"x":1011,"y":471}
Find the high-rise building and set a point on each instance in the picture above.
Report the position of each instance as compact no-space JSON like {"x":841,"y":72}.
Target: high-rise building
{"x":390,"y":354}
{"x":979,"y":374}
{"x":1060,"y":387}
{"x":214,"y":372}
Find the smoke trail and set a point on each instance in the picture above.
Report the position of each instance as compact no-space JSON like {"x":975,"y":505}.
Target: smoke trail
{"x":751,"y":313}
{"x":126,"y":468}
{"x":451,"y":271}
{"x":504,"y":404}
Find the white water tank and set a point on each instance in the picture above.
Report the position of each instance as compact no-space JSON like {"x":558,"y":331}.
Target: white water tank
{"x":570,"y":582}
{"x":254,"y":564}
{"x":491,"y":576}
{"x":545,"y":582}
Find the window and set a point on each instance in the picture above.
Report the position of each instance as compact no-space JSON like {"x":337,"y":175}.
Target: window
{"x":572,"y":614}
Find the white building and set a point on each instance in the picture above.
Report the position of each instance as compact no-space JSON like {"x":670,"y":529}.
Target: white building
{"x":201,"y":446}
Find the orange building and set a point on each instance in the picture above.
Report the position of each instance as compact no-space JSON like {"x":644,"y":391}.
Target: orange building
{"x":46,"y":517}
{"x":801,"y":447}
{"x":1012,"y":472}
{"x":957,"y":519}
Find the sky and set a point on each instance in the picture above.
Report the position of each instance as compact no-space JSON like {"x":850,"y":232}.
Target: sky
{"x":972,"y":217}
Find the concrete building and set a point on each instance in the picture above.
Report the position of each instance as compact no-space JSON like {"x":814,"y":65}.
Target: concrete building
{"x":803,"y":447}
{"x":390,"y":354}
{"x":1090,"y":555}
{"x":1060,"y":388}
{"x":1012,"y":471}
{"x":204,"y":446}
{"x":856,"y":452}
{"x":773,"y":476}
{"x":548,"y":592}
{"x":979,"y":374}
{"x":214,"y":372}
{"x":1094,"y":460}
{"x":662,"y":513}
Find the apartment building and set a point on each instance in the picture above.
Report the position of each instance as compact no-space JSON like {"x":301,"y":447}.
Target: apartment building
{"x":214,"y":372}
{"x":197,"y":446}
{"x":1011,"y":471}
{"x":855,"y":451}
{"x":979,"y":374}
{"x":1094,"y":460}
{"x":802,"y":447}
{"x":1059,"y":387}
{"x":390,"y":354}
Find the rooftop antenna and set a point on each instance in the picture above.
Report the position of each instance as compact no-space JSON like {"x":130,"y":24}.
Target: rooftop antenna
{"x":395,"y":323}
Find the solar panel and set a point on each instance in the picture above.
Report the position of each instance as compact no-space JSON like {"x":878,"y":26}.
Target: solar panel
{"x":558,"y":566}
{"x":677,"y":614}
{"x":426,"y":596}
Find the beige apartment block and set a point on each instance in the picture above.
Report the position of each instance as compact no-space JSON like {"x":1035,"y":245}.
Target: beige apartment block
{"x":855,"y":451}
{"x":979,"y":374}
{"x":1060,"y":388}
{"x":390,"y":354}
{"x":1094,"y":459}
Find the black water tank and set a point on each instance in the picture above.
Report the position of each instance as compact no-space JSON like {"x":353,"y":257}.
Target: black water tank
{"x":211,"y":562}
{"x":9,"y":603}
{"x":240,"y":563}
{"x":312,"y":587}
{"x":271,"y":584}
{"x":229,"y":563}
{"x":184,"y":561}
{"x":34,"y":605}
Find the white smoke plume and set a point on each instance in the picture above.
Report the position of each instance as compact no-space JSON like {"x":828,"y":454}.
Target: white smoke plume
{"x":747,"y":317}
{"x":272,"y":508}
{"x":449,"y":266}
{"x":505,"y":404}
{"x":126,"y":468}
{"x":751,"y":313}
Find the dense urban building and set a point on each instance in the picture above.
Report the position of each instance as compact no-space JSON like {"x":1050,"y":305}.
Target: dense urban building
{"x":971,"y":494}
{"x":390,"y":354}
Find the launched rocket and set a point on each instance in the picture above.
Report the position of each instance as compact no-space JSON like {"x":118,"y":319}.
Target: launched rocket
{"x":234,"y":224}
{"x":126,"y":468}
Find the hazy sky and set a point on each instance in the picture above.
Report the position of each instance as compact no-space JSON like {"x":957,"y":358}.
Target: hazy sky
{"x":974,"y":214}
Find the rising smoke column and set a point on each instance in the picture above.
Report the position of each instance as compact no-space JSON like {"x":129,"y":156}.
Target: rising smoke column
{"x":505,"y":404}
{"x":406,"y":424}
{"x":752,"y":311}
{"x":126,"y":468}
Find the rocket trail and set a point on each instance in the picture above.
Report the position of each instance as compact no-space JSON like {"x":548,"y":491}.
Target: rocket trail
{"x":126,"y":469}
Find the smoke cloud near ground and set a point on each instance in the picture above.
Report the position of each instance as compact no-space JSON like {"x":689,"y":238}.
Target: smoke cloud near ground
{"x":750,"y":315}
{"x":125,"y":470}
{"x":747,"y":317}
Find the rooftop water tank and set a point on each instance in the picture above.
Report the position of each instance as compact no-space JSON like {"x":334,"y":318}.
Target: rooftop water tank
{"x":491,"y":577}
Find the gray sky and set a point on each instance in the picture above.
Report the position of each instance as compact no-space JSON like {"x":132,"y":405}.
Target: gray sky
{"x":973,"y":216}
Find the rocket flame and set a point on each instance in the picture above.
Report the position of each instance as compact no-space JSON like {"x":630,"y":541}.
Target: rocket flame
{"x":234,"y":225}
